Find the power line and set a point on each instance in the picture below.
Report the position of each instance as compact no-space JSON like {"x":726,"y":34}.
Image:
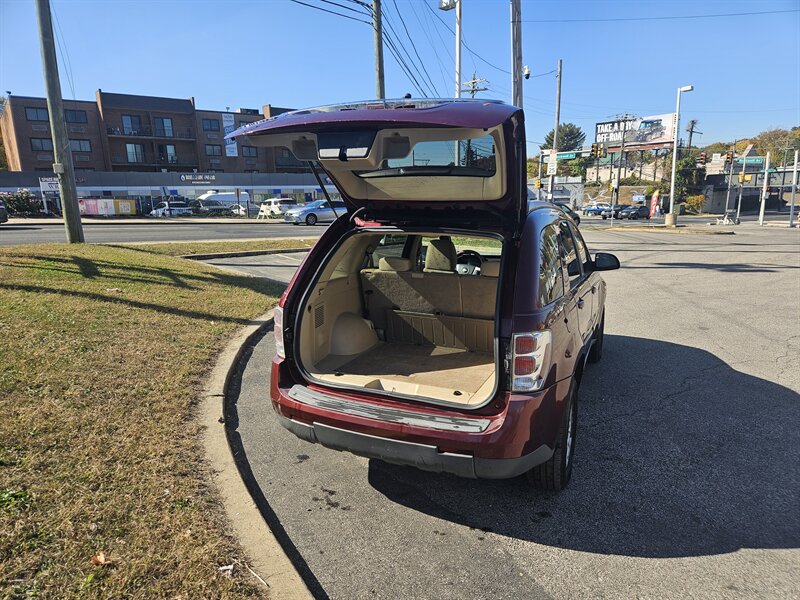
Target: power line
{"x":355,"y":10}
{"x":414,"y":47}
{"x":333,"y":12}
{"x":470,"y":50}
{"x":665,"y":18}
{"x":429,"y":37}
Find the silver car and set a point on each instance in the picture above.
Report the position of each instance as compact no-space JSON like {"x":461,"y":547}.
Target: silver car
{"x":319,"y":211}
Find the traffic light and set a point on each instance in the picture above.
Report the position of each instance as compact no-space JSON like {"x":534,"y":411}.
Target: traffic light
{"x":537,"y":183}
{"x":729,"y":156}
{"x":611,"y":187}
{"x":594,"y":151}
{"x":601,"y":150}
{"x":702,"y":160}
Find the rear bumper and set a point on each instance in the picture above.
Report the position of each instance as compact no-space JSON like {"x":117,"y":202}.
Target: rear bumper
{"x":518,"y":436}
{"x":422,"y":456}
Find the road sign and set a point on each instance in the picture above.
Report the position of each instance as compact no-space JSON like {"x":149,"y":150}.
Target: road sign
{"x":751,"y":160}
{"x":566,"y":155}
{"x":552,"y":165}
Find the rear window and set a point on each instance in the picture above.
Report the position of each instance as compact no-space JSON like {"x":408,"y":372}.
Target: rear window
{"x":474,"y":157}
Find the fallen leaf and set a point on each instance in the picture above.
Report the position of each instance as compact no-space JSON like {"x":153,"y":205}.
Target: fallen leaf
{"x":113,"y":290}
{"x":100,"y":559}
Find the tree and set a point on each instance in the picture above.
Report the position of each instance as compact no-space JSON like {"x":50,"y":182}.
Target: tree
{"x":3,"y":161}
{"x":570,"y":137}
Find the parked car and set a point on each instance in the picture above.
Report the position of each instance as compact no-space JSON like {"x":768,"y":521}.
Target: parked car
{"x":240,"y":210}
{"x":209,"y":207}
{"x":383,"y":349}
{"x":575,"y":216}
{"x":171,"y":208}
{"x":595,"y":208}
{"x":319,"y":211}
{"x":276,"y":207}
{"x":3,"y":212}
{"x":615,"y":210}
{"x":635,"y":212}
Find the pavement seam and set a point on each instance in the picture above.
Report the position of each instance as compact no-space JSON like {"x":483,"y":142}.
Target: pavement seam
{"x":267,"y":557}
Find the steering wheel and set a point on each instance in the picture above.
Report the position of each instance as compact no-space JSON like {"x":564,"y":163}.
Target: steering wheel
{"x":468,"y":262}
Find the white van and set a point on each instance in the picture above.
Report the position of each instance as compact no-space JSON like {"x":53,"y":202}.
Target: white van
{"x":226,"y":198}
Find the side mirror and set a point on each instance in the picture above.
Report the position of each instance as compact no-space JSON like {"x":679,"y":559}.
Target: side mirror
{"x":605,"y":262}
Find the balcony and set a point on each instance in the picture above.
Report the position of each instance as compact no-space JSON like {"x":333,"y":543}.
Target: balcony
{"x":150,"y":161}
{"x":159,"y":132}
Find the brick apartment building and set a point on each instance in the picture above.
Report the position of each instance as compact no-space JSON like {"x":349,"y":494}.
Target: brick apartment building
{"x":125,"y":132}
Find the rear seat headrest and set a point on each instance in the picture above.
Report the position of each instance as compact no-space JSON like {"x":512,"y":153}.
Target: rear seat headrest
{"x":490,"y":269}
{"x":394,"y":263}
{"x":441,"y":256}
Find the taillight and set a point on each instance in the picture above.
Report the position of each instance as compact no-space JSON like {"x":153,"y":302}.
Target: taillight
{"x":278,"y":330}
{"x":529,"y":362}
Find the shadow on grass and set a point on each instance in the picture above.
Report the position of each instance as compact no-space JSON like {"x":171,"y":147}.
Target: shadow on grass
{"x":260,"y":285}
{"x":671,"y":461}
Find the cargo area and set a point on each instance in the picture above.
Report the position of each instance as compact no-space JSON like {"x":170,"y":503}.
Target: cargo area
{"x":406,"y":314}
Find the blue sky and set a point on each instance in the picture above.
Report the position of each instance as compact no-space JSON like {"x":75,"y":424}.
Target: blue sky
{"x":745,"y":69}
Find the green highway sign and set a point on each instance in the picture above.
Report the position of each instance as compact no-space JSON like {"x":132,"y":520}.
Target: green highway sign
{"x":751,"y":160}
{"x":566,"y":155}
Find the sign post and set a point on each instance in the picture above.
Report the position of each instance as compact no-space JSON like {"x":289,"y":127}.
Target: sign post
{"x":794,"y":189}
{"x":764,"y":192}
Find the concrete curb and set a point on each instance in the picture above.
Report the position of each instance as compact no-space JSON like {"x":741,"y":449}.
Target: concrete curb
{"x":243,"y":253}
{"x":268,"y":559}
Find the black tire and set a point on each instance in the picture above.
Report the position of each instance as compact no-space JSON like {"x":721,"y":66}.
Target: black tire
{"x":311,"y":219}
{"x":554,"y":475}
{"x":596,"y":352}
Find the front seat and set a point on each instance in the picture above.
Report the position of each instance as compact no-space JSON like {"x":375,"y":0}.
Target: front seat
{"x":441,"y":256}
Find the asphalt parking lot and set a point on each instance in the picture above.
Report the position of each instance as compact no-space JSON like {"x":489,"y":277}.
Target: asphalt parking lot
{"x":687,"y":473}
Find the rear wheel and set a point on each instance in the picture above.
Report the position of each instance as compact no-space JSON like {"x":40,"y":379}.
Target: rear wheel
{"x":596,"y":352}
{"x":311,"y":219}
{"x":554,"y":475}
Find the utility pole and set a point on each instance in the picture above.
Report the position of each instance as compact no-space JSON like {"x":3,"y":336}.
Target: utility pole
{"x":619,"y":164}
{"x":516,"y":53}
{"x":764,"y":191}
{"x":62,"y":153}
{"x":552,"y":178}
{"x":380,"y":88}
{"x":691,"y":128}
{"x":458,"y":48}
{"x":730,"y":177}
{"x":794,"y":189}
{"x":471,"y":86}
{"x":741,"y":188}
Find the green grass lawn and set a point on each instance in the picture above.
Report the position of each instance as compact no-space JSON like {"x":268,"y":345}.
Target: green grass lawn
{"x":104,"y":350}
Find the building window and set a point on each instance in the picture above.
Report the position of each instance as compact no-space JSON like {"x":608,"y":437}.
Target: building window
{"x":80,"y":145}
{"x":41,"y":144}
{"x":131,"y":124}
{"x":251,"y":170}
{"x":135,"y":153}
{"x":36,"y":114}
{"x":216,"y":170}
{"x":163,"y":126}
{"x":167,"y":154}
{"x":210,"y":124}
{"x":75,"y":116}
{"x":285,"y":153}
{"x":213,"y":150}
{"x":250,"y":151}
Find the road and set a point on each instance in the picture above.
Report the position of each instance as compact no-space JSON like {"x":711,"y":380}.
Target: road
{"x":39,"y":231}
{"x":687,"y":473}
{"x":115,"y":232}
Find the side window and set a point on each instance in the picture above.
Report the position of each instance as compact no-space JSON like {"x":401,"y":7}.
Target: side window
{"x":569,"y":253}
{"x":551,"y":275}
{"x":583,"y":253}
{"x":324,"y":205}
{"x":390,"y":245}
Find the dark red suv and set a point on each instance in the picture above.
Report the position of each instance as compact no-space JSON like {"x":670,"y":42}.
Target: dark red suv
{"x":440,"y":321}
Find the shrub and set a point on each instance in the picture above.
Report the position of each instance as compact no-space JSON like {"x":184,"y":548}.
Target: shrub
{"x":695,"y":203}
{"x":21,"y":202}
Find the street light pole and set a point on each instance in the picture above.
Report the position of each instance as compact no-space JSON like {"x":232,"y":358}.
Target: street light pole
{"x":458,"y":48}
{"x":686,"y":88}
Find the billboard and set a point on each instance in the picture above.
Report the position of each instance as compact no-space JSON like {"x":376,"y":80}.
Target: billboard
{"x":654,"y":131}
{"x":228,"y":127}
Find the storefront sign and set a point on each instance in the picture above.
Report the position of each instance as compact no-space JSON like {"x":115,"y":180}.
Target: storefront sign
{"x":48,"y":184}
{"x":198,"y":177}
